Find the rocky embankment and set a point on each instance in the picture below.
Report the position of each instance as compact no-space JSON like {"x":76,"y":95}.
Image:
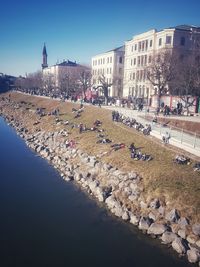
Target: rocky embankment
{"x":121,"y":192}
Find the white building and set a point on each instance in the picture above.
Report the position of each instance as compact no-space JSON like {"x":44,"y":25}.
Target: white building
{"x":61,"y":75}
{"x":110,"y":65}
{"x":61,"y":71}
{"x":140,"y":50}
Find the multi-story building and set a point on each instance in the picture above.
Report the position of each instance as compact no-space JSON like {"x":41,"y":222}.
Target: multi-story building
{"x":61,"y":75}
{"x":110,"y":65}
{"x":140,"y":50}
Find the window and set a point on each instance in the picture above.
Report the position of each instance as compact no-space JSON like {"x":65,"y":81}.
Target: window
{"x":133,"y":75}
{"x":182,"y":41}
{"x":146,"y":44}
{"x":107,"y":70}
{"x":134,"y":61}
{"x":142,"y":46}
{"x":151,"y":43}
{"x":142,"y":58}
{"x":138,"y":61}
{"x":132,"y":48}
{"x":149,"y":59}
{"x":110,"y":59}
{"x":107,"y":59}
{"x":139,"y":46}
{"x":145,"y":59}
{"x":103,"y":60}
{"x":160,"y":41}
{"x":135,"y":47}
{"x":168,"y":39}
{"x":110,"y":70}
{"x":120,"y":60}
{"x":120,"y":70}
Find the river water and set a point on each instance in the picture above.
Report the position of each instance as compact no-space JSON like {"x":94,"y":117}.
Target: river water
{"x":45,"y":221}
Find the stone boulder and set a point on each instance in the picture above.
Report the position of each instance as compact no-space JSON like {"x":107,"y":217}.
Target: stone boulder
{"x":157,"y":229}
{"x":172,"y":216}
{"x":125,"y":216}
{"x":144,"y":223}
{"x":196,"y":229}
{"x":168,"y":237}
{"x":134,"y":219}
{"x":179,"y":245}
{"x":193,"y":255}
{"x":154,"y":204}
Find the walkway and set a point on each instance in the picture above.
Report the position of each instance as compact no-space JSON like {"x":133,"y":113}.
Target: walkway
{"x":180,"y":139}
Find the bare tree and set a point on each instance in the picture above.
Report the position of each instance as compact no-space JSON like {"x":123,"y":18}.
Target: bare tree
{"x":85,"y":80}
{"x":104,"y":87}
{"x":48,"y":83}
{"x":161,"y":71}
{"x":187,"y":82}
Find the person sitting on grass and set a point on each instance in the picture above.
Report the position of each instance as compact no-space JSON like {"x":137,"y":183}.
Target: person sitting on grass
{"x":182,"y":160}
{"x":116,"y":147}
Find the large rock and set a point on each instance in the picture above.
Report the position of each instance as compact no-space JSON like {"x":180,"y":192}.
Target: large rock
{"x":144,"y":223}
{"x":155,"y":204}
{"x":172,"y":216}
{"x":168,"y":237}
{"x":92,"y":185}
{"x":192,"y":239}
{"x":134,"y":219}
{"x":111,"y":202}
{"x":183,"y":222}
{"x":157,"y":229}
{"x":193,"y":255}
{"x":179,"y":245}
{"x":196,"y":229}
{"x":125,"y":216}
{"x":182,"y":233}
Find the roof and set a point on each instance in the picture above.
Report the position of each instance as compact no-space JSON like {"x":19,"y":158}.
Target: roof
{"x":185,"y":27}
{"x":67,"y":63}
{"x":116,"y":49}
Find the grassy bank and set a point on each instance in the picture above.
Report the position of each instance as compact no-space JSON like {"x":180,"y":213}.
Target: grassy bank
{"x":178,"y":185}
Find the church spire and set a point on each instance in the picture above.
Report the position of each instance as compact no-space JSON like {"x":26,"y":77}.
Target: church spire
{"x":44,"y":55}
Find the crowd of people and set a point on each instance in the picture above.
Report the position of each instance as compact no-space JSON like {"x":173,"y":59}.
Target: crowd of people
{"x":132,"y":123}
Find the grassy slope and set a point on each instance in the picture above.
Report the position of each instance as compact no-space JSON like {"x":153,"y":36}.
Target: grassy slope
{"x":180,"y":185}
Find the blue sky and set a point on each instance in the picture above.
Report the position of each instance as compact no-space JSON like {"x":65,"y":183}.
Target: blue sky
{"x":79,"y":29}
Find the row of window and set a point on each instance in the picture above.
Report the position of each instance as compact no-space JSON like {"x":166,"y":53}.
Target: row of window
{"x":139,"y":75}
{"x":105,"y":71}
{"x":140,"y":60}
{"x":139,"y":91}
{"x":107,"y":60}
{"x":97,"y":81}
{"x":144,"y":45}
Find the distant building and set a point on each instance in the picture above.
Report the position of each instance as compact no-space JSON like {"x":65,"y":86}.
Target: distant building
{"x":141,"y":48}
{"x":61,"y":73}
{"x":111,"y":65}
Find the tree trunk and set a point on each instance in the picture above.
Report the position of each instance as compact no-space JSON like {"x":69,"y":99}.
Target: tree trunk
{"x":106,"y":100}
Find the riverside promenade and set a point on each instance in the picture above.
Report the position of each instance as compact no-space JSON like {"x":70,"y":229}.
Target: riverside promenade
{"x":179,"y":138}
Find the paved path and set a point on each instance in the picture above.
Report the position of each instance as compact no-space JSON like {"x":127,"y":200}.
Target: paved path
{"x":185,"y":141}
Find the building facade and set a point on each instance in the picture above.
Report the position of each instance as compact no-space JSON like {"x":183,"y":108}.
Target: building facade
{"x":63,"y":76}
{"x":109,"y":65}
{"x":140,"y":50}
